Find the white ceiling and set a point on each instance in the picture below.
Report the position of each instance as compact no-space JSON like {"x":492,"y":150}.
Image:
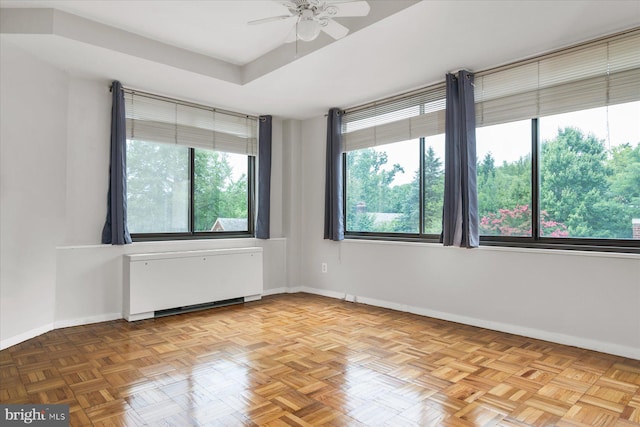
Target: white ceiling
{"x":203,"y":51}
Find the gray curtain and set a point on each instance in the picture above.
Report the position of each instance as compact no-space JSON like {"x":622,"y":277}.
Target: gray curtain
{"x":264,"y":177}
{"x":333,"y":202}
{"x":115,"y":229}
{"x":460,"y":210}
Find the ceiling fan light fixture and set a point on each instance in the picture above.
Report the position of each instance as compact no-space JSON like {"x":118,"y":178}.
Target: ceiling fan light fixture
{"x":313,"y":16}
{"x":308,"y":29}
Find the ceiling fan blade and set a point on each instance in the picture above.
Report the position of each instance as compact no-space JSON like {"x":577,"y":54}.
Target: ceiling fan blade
{"x":335,"y":30}
{"x":271,"y":19}
{"x":355,"y":8}
{"x":291,"y":6}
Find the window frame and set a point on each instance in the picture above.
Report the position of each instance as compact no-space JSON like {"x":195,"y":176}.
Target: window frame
{"x":533,"y":241}
{"x":158,"y":119}
{"x":625,"y":71}
{"x":402,"y":237}
{"x":196,"y":235}
{"x":567,"y":243}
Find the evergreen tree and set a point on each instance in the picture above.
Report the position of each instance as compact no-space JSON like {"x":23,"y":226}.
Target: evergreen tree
{"x":487,"y":183}
{"x":433,"y":192}
{"x":624,"y":186}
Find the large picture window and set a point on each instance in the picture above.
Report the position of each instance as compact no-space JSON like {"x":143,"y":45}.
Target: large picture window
{"x":383,"y":188}
{"x":394,"y":166}
{"x":571,"y":121}
{"x":590,"y":172}
{"x":588,"y":175}
{"x":190,"y":169}
{"x":558,"y":154}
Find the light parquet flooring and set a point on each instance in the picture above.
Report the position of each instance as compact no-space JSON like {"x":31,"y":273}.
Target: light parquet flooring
{"x":306,"y":360}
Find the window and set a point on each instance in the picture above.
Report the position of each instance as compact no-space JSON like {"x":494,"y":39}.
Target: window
{"x":383,"y":188}
{"x":221,"y":191}
{"x":190,"y":169}
{"x":157,"y":202}
{"x":590,"y":172}
{"x":564,"y":129}
{"x":433,"y":187}
{"x":504,"y":179}
{"x":394,"y":166}
{"x":558,"y":154}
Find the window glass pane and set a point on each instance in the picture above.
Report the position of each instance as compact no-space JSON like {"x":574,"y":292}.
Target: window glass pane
{"x":220,"y":200}
{"x":433,"y":183}
{"x":383,"y":188}
{"x":157,"y":187}
{"x":590,"y":171}
{"x":504,"y":179}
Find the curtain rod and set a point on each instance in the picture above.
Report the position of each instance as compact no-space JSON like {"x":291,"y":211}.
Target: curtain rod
{"x":486,"y":71}
{"x":560,"y":51}
{"x":185,"y":103}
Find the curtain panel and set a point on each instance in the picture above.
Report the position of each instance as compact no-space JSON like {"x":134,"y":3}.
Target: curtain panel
{"x":115,"y":230}
{"x":460,"y":209}
{"x":333,"y":203}
{"x":264,"y":177}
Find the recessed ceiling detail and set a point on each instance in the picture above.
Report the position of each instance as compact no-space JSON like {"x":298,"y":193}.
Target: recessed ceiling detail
{"x":205,"y":52}
{"x":54,"y":22}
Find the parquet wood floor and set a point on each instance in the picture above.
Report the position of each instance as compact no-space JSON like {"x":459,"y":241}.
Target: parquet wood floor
{"x":305,"y":360}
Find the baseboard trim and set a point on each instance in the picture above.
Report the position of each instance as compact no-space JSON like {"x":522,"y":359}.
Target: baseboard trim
{"x":589,"y":344}
{"x":86,"y":320}
{"x":282,"y":290}
{"x":17,"y":339}
{"x":274,"y":291}
{"x":323,"y":292}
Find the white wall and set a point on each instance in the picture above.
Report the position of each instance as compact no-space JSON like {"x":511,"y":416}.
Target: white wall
{"x":87,"y":183}
{"x":292,"y":197}
{"x":54,"y":178}
{"x":585,"y":299}
{"x":33,"y":137}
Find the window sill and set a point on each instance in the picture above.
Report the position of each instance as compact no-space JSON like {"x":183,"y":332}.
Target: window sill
{"x":170,"y":237}
{"x":574,"y":250}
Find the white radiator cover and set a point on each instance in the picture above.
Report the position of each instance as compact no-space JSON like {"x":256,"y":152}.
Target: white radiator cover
{"x":166,"y":280}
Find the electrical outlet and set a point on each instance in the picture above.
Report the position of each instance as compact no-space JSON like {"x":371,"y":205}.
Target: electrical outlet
{"x":324,"y":267}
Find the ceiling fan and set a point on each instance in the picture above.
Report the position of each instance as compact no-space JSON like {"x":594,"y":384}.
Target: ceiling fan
{"x":313,"y":16}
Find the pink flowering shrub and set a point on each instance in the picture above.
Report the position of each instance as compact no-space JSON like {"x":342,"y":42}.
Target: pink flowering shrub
{"x":517,"y":222}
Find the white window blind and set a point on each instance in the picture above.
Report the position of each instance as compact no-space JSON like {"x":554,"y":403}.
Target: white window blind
{"x":157,"y":119}
{"x":409,"y":116}
{"x":596,"y":74}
